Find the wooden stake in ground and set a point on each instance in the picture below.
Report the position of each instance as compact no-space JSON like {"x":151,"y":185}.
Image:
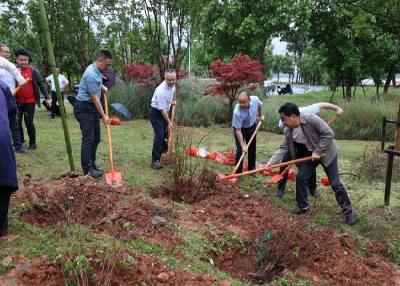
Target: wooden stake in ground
{"x":52,"y":61}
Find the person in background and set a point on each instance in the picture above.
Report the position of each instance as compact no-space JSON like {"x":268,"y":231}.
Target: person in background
{"x":9,"y":74}
{"x":244,"y":118}
{"x":163,"y":99}
{"x":63,"y":84}
{"x":28,"y":96}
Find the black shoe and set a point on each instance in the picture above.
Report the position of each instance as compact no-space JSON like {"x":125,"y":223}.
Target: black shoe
{"x":21,"y":150}
{"x":351,"y":217}
{"x":95,"y":173}
{"x":95,"y":167}
{"x":280,"y":193}
{"x":3,"y":232}
{"x":299,"y":211}
{"x":32,"y":146}
{"x":315,"y":194}
{"x":156,"y":165}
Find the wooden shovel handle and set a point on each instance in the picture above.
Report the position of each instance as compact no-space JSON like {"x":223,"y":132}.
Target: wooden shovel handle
{"x":297,"y":161}
{"x":248,"y":144}
{"x":110,"y":151}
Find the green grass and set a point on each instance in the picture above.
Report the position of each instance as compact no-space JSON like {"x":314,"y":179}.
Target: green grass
{"x":132,"y":152}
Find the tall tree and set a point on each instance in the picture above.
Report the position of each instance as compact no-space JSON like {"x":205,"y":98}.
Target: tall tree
{"x":236,"y":27}
{"x":179,"y":18}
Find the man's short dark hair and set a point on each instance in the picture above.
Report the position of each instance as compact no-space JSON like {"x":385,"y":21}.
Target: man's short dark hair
{"x":21,"y":52}
{"x":170,"y":70}
{"x":104,"y":54}
{"x":289,"y":109}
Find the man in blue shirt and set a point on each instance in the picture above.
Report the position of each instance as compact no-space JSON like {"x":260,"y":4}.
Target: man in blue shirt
{"x":245,"y":115}
{"x":87,"y":109}
{"x":161,"y":103}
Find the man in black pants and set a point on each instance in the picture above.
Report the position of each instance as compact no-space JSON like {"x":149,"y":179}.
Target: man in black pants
{"x":244,"y":123}
{"x":8,"y":172}
{"x":29,"y":95}
{"x":314,"y":109}
{"x":316,"y":138}
{"x":87,"y":109}
{"x":163,"y":99}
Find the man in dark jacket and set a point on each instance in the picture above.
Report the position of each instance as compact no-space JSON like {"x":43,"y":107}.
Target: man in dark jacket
{"x":8,"y":168}
{"x":28,"y":96}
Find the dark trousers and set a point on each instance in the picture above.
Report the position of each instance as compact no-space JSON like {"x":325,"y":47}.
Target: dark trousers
{"x":88,"y":118}
{"x":5,"y":194}
{"x":26,"y":111}
{"x":55,"y":110}
{"x":306,"y":171}
{"x":14,"y":128}
{"x":251,"y":150}
{"x":301,"y":152}
{"x":160,"y":126}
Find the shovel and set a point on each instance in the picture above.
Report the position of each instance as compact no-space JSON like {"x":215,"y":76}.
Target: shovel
{"x":114,"y":177}
{"x":248,"y":144}
{"x":165,"y":156}
{"x":15,"y":91}
{"x":297,"y":161}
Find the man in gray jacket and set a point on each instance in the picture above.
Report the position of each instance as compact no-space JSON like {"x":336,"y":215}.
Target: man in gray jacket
{"x":313,"y":138}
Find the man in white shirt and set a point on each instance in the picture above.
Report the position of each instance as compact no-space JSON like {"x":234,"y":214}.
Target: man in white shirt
{"x":161,"y":103}
{"x":9,"y":74}
{"x":63,"y":84}
{"x":245,"y":115}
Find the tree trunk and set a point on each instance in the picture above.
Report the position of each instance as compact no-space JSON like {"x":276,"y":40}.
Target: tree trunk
{"x":348,"y":90}
{"x":394,"y":80}
{"x":377,"y":89}
{"x":344,"y":95}
{"x":354,"y":91}
{"x":278,"y":77}
{"x":387,"y":82}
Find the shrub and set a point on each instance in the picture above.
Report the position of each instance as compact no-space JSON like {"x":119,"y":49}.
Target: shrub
{"x":231,"y":77}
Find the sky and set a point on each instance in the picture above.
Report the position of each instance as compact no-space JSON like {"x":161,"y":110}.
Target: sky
{"x":279,"y":47}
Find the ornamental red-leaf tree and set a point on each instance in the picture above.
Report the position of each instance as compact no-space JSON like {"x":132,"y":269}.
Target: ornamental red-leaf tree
{"x":140,"y":73}
{"x":241,"y":73}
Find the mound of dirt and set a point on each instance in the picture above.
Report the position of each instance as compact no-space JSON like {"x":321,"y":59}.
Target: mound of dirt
{"x":144,"y":270}
{"x":194,"y":189}
{"x":39,"y":271}
{"x":120,"y":212}
{"x":124,"y":268}
{"x":321,"y":255}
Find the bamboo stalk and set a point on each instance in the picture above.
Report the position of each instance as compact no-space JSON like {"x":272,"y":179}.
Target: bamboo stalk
{"x":52,"y":61}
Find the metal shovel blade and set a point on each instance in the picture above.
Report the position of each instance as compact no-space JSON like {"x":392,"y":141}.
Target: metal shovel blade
{"x":114,"y":178}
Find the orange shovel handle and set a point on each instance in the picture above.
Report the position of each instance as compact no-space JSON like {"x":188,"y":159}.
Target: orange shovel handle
{"x":297,"y":161}
{"x":110,"y":151}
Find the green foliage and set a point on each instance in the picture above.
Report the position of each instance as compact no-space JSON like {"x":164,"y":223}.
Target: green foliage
{"x":242,"y":27}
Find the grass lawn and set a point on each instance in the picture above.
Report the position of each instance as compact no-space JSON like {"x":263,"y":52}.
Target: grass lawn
{"x":132,"y":150}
